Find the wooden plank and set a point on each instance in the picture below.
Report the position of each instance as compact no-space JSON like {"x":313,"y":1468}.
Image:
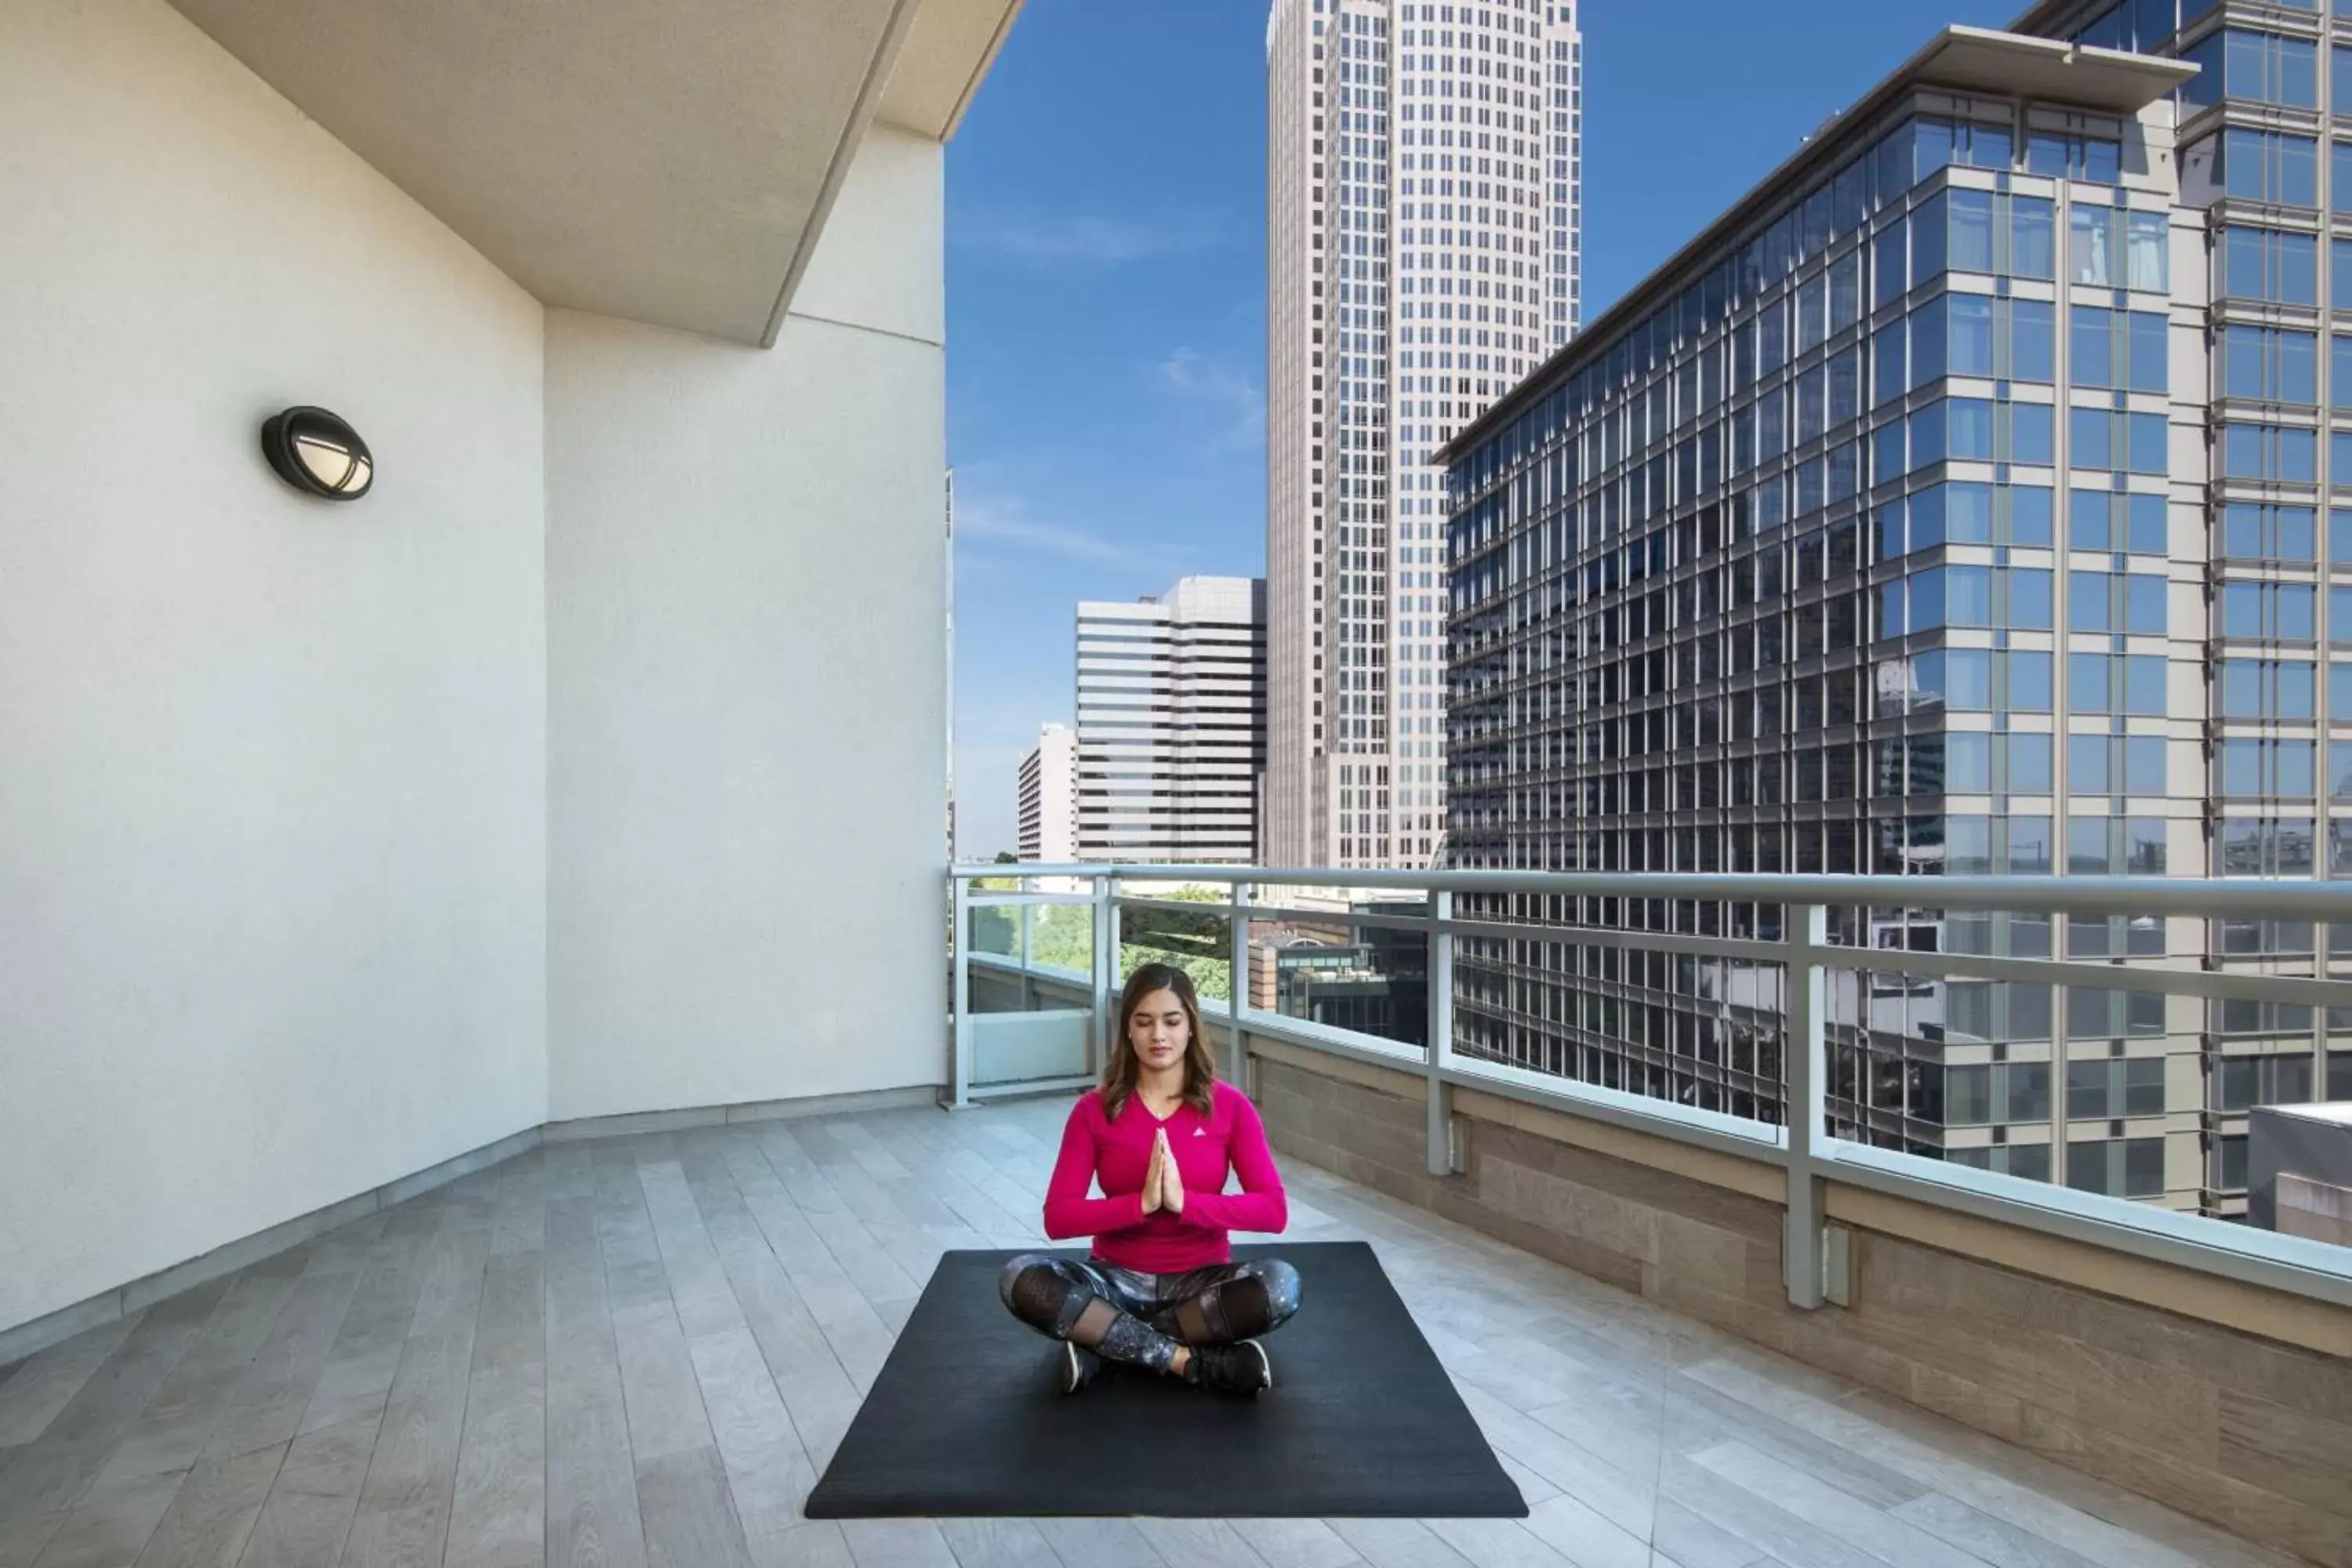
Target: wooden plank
{"x":519,"y":1223}
{"x":358,"y":1375}
{"x":1978,"y":1470}
{"x":636,"y":1285}
{"x":267,"y":1408}
{"x":22,"y":1544}
{"x":815,"y":1389}
{"x":1584,"y":1537}
{"x":1397,"y":1543}
{"x":1879,"y":1533}
{"x":1996,"y":1541}
{"x":699,"y":1293}
{"x":818,"y":1545}
{"x":1196,"y":1544}
{"x":1100,"y":1542}
{"x":308,"y":1514}
{"x":1001,"y":1544}
{"x":1691,"y":1540}
{"x":665,"y":1411}
{"x":897,"y":1544}
{"x":592,"y":1489}
{"x":172,"y":1431}
{"x":1498,"y":1543}
{"x":768,"y":1472}
{"x":42,"y":1386}
{"x":1624,"y":1498}
{"x":114,"y":1522}
{"x":568,"y":1172}
{"x":402,"y":1519}
{"x":1736,"y":1511}
{"x":821,"y":1398}
{"x":497,"y":1512}
{"x":689,"y":1518}
{"x":50,"y":1476}
{"x":212,"y":1514}
{"x":809,"y":1188}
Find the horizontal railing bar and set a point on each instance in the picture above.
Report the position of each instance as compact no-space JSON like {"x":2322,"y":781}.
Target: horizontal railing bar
{"x":1612,"y":936}
{"x":1220,"y":909}
{"x":2209,"y":984}
{"x":1028,"y":901}
{"x":1251,"y":913}
{"x":1368,"y":1048}
{"x":2282,"y":897}
{"x":1749,"y":1139}
{"x":2294,"y":1264}
{"x":1008,"y":1088}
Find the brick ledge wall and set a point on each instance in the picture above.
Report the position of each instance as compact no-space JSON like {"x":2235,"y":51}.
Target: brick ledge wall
{"x":2249,"y":1434}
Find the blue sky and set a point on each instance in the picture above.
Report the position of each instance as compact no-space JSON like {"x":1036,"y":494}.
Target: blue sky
{"x":1107,"y":289}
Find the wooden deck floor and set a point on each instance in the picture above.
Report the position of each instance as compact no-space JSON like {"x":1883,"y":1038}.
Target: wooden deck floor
{"x":641,"y":1351}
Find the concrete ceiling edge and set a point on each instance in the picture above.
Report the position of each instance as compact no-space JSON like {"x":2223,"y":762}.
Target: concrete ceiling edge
{"x":861,"y":117}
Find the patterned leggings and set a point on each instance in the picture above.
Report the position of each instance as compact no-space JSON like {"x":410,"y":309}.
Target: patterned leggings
{"x":1141,"y":1319}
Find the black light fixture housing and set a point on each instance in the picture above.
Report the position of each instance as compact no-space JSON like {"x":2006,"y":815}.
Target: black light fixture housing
{"x":318,"y":454}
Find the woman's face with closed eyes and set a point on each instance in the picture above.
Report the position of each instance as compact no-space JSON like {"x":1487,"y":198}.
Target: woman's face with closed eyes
{"x":1159,"y":1030}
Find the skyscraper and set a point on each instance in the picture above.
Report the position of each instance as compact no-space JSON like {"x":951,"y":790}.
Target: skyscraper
{"x":1949,"y":506}
{"x":1172,"y":723}
{"x":1049,"y":798}
{"x":1422,"y":257}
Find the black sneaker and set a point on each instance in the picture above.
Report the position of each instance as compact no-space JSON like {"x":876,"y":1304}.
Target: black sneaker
{"x":1076,"y":1367}
{"x":1242,"y":1368}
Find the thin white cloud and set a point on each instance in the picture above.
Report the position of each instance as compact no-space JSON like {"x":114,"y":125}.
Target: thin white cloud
{"x":996,"y":525}
{"x":1006,"y":522}
{"x":1038,"y":237}
{"x":1239,"y":401}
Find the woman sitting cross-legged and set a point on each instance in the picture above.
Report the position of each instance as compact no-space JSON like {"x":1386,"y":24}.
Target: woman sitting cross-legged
{"x":1160,"y":1288}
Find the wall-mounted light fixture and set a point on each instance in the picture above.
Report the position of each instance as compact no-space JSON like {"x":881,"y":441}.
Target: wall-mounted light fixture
{"x":317,"y":454}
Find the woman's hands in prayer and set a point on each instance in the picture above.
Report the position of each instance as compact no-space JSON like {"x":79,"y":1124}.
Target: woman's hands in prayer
{"x":1172,"y":1180}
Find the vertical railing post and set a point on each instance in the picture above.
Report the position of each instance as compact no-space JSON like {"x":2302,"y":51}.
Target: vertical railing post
{"x":1106,"y":971}
{"x":1104,"y":948}
{"x":1807,"y":1061}
{"x":960,"y":1085}
{"x":1027,"y":953}
{"x":1440,"y":966}
{"x":1238,"y":987}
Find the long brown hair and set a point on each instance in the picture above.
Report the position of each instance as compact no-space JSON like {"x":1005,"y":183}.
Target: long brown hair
{"x":1121,"y":1070}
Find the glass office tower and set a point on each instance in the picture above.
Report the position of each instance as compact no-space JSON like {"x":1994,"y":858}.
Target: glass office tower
{"x":2263,"y":172}
{"x":1939,"y":511}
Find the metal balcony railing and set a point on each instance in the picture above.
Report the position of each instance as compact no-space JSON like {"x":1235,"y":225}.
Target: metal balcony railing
{"x":1407,"y":968}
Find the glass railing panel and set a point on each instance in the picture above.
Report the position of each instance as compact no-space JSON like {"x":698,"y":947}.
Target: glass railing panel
{"x":1186,"y":928}
{"x":1619,"y":994}
{"x":1358,"y":962}
{"x":1030,"y":973}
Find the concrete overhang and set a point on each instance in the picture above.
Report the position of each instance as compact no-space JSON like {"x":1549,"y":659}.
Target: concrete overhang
{"x":669,"y":162}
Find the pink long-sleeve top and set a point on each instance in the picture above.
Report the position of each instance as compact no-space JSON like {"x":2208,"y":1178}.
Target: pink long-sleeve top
{"x":1230,"y":1140}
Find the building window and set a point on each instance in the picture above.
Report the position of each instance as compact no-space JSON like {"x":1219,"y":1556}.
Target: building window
{"x":2119,"y":1167}
{"x":2261,"y":363}
{"x":2110,"y":247}
{"x":2266,"y":264}
{"x":2264,"y":67}
{"x":2256,"y":452}
{"x":2269,"y":166}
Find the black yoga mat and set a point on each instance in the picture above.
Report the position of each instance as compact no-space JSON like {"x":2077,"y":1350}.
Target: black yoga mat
{"x":966,"y":1418}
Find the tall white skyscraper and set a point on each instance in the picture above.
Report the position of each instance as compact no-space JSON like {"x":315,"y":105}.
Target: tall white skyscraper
{"x":1423,"y":187}
{"x":1172,"y":723}
{"x":1049,"y":798}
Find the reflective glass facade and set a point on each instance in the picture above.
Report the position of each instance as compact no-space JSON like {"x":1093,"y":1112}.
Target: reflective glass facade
{"x":1874,"y":540}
